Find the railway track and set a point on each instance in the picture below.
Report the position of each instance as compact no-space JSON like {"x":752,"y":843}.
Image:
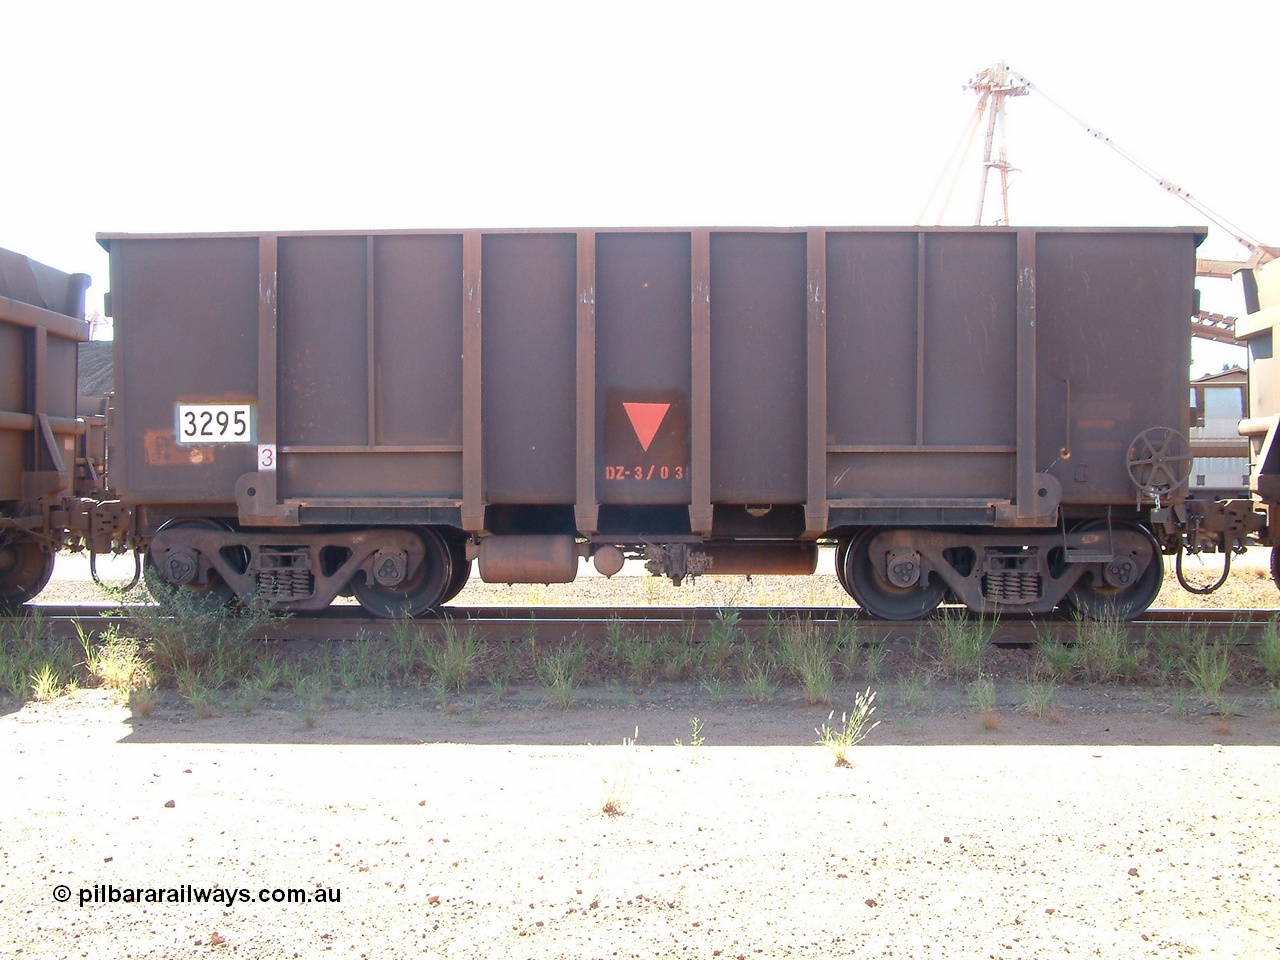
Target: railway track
{"x":553,"y":623}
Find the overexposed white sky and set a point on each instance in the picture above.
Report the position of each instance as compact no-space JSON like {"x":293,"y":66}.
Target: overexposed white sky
{"x":149,"y":117}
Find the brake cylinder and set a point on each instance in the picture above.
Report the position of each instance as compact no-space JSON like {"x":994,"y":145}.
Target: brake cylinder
{"x":528,"y":559}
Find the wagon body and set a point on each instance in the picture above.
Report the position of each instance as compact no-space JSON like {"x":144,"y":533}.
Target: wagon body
{"x":606,"y":381}
{"x":737,"y":388}
{"x":41,"y":326}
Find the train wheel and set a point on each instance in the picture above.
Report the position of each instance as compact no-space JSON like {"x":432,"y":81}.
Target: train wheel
{"x":460,"y":569}
{"x":1102,"y":601}
{"x":842,"y":553}
{"x":202,"y":597}
{"x":421,"y":590}
{"x":25,"y":568}
{"x":879,"y":597}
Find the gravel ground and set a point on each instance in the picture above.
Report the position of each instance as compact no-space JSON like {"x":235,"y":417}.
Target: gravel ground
{"x":1119,"y":829}
{"x":445,"y":835}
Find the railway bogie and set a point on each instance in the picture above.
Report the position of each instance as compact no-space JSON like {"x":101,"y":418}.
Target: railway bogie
{"x":1099,"y":569}
{"x":392,"y":572}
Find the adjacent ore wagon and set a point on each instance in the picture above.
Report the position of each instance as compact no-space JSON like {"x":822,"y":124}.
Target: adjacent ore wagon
{"x":992,"y":415}
{"x":43,"y":459}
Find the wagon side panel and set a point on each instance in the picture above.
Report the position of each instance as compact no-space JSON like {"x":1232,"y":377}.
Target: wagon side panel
{"x":643,"y":370}
{"x":758,"y":367}
{"x":922,"y":372}
{"x":370,"y":372}
{"x":186,"y":333}
{"x":529,"y":368}
{"x":1113,"y":352}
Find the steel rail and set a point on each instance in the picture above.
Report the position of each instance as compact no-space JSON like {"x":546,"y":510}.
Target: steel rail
{"x":552,"y":623}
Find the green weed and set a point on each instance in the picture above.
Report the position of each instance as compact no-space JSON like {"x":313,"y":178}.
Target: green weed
{"x":47,"y":683}
{"x":269,"y":674}
{"x":759,"y":678}
{"x":616,"y":641}
{"x":848,"y":646}
{"x":409,"y":649}
{"x":876,"y":653}
{"x":363,"y":663}
{"x":640,"y":658}
{"x":716,"y":688}
{"x":696,"y":739}
{"x":197,"y":693}
{"x":500,"y":674}
{"x":720,"y":642}
{"x":26,"y":654}
{"x":1208,"y":671}
{"x":913,"y":692}
{"x":250,"y":694}
{"x":961,"y":642}
{"x":559,"y":671}
{"x":312,"y":691}
{"x":1268,"y":650}
{"x":453,"y":660}
{"x":1040,"y":700}
{"x":187,"y":634}
{"x":1061,"y":659}
{"x":1167,"y":648}
{"x":1106,"y":650}
{"x":119,"y":663}
{"x":807,"y":656}
{"x":90,"y":663}
{"x":679,"y":656}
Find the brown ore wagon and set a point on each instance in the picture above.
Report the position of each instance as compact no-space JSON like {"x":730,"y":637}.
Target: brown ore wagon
{"x":42,"y":441}
{"x":996,"y":416}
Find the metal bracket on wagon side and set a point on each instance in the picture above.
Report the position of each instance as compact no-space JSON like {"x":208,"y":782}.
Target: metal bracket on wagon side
{"x":1043,"y":511}
{"x":256,"y":500}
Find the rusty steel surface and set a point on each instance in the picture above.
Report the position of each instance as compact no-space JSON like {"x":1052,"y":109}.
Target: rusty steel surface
{"x":41,"y":325}
{"x":43,"y":459}
{"x":650,"y":382}
{"x":38,"y":285}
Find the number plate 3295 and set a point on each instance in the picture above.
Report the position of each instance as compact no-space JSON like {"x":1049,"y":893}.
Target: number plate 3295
{"x":215,"y":423}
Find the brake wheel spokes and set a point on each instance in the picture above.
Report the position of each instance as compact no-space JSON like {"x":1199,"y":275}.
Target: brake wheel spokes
{"x":1159,"y":460}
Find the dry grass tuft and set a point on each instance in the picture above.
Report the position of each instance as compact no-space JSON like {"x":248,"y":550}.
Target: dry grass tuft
{"x":614,"y":802}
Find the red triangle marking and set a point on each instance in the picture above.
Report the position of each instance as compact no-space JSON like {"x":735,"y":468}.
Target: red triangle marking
{"x":645,"y":420}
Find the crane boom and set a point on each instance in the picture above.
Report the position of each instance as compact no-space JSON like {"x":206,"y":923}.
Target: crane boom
{"x":1259,"y":252}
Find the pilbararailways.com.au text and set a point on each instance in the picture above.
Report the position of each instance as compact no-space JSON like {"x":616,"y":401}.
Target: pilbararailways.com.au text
{"x":107,"y":893}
